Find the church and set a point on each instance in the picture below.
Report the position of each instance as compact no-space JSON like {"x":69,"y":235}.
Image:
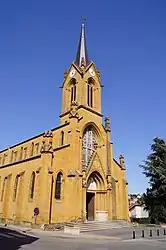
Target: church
{"x":69,"y":173}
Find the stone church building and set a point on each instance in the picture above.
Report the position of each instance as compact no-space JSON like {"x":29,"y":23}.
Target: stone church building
{"x":67,"y":173}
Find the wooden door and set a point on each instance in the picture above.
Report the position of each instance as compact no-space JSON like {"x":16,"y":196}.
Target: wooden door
{"x":90,"y":206}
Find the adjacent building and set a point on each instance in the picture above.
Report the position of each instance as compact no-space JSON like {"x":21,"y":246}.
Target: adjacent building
{"x":138,"y":211}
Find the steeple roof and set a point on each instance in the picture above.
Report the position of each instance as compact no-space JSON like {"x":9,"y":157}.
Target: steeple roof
{"x":82,"y":52}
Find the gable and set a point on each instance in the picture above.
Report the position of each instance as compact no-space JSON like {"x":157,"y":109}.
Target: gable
{"x":95,"y":165}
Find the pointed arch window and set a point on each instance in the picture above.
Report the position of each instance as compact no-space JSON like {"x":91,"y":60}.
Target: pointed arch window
{"x":4,"y":159}
{"x":88,"y":144}
{"x":32,"y":148}
{"x":58,"y":186}
{"x":73,"y":90}
{"x":62,"y":138}
{"x":15,"y":187}
{"x":32,"y":186}
{"x":3,"y":188}
{"x":15,"y":156}
{"x":90,"y":93}
{"x":11,"y":157}
{"x":21,"y":153}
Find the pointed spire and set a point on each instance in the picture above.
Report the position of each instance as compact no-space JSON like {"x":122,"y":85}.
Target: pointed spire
{"x":82,"y":53}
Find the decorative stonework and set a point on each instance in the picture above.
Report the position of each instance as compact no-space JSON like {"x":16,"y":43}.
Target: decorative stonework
{"x":48,"y":134}
{"x":38,"y":170}
{"x":98,"y":72}
{"x":107,"y":124}
{"x":109,"y":186}
{"x":96,"y":165}
{"x":65,"y":74}
{"x":73,"y":110}
{"x":47,"y":142}
{"x":46,"y":147}
{"x":84,"y":183}
{"x":50,"y":171}
{"x":122,"y":161}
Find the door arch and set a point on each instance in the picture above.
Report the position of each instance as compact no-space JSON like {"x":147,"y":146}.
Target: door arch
{"x":95,"y":189}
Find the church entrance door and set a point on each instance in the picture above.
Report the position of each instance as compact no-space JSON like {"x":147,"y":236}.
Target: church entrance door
{"x":90,"y":205}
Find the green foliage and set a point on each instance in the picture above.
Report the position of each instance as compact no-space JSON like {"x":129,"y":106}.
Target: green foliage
{"x":154,"y":168}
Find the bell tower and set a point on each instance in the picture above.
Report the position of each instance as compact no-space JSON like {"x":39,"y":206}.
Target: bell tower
{"x":81,"y":87}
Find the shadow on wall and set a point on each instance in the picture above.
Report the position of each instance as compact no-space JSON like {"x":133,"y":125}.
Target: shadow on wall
{"x":11,"y":239}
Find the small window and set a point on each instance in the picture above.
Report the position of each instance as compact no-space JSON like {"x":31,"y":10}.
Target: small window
{"x":73,"y":90}
{"x":32,"y":186}
{"x":3,"y":188}
{"x":32,"y":149}
{"x":90,"y":93}
{"x":25,"y":153}
{"x":11,"y":158}
{"x":4,"y":159}
{"x":21,"y":153}
{"x":62,"y":138}
{"x":15,"y":156}
{"x":15,"y":188}
{"x":37,"y":148}
{"x":58,"y":186}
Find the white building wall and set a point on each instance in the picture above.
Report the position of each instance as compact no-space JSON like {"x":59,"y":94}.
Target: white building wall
{"x":144,"y":213}
{"x":139,"y":212}
{"x":133,"y":212}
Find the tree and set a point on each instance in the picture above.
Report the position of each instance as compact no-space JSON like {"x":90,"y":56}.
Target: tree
{"x":154,"y":168}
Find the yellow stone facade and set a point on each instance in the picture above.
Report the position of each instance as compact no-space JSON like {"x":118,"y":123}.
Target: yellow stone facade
{"x":68,"y":173}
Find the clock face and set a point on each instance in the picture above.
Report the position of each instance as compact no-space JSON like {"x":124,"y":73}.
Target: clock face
{"x":72,"y":73}
{"x":91,"y":71}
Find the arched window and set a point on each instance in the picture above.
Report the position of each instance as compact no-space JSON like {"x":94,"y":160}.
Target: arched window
{"x":21,"y":153}
{"x":32,"y":186}
{"x":11,"y":157}
{"x":88,"y":144}
{"x":15,"y":156}
{"x":0,"y":183}
{"x":73,"y":90}
{"x":15,"y":188}
{"x":32,"y":148}
{"x":58,"y":186}
{"x":62,"y":138}
{"x":4,"y":159}
{"x":3,"y":188}
{"x":90,"y":93}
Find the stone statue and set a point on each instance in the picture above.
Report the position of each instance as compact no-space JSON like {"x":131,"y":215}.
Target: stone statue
{"x":122,"y":161}
{"x":107,"y":124}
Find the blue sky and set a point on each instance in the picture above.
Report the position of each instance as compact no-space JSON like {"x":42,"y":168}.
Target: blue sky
{"x":126,"y":40}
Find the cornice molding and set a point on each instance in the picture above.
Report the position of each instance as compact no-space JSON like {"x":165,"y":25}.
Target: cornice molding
{"x":21,"y":161}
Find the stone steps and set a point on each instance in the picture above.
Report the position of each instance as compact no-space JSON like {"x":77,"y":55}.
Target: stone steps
{"x":95,"y":225}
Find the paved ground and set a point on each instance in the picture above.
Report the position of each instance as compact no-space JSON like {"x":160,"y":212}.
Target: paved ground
{"x":115,"y":239}
{"x":127,"y":233}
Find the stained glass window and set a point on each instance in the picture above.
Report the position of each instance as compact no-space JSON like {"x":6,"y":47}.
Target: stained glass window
{"x":88,"y":144}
